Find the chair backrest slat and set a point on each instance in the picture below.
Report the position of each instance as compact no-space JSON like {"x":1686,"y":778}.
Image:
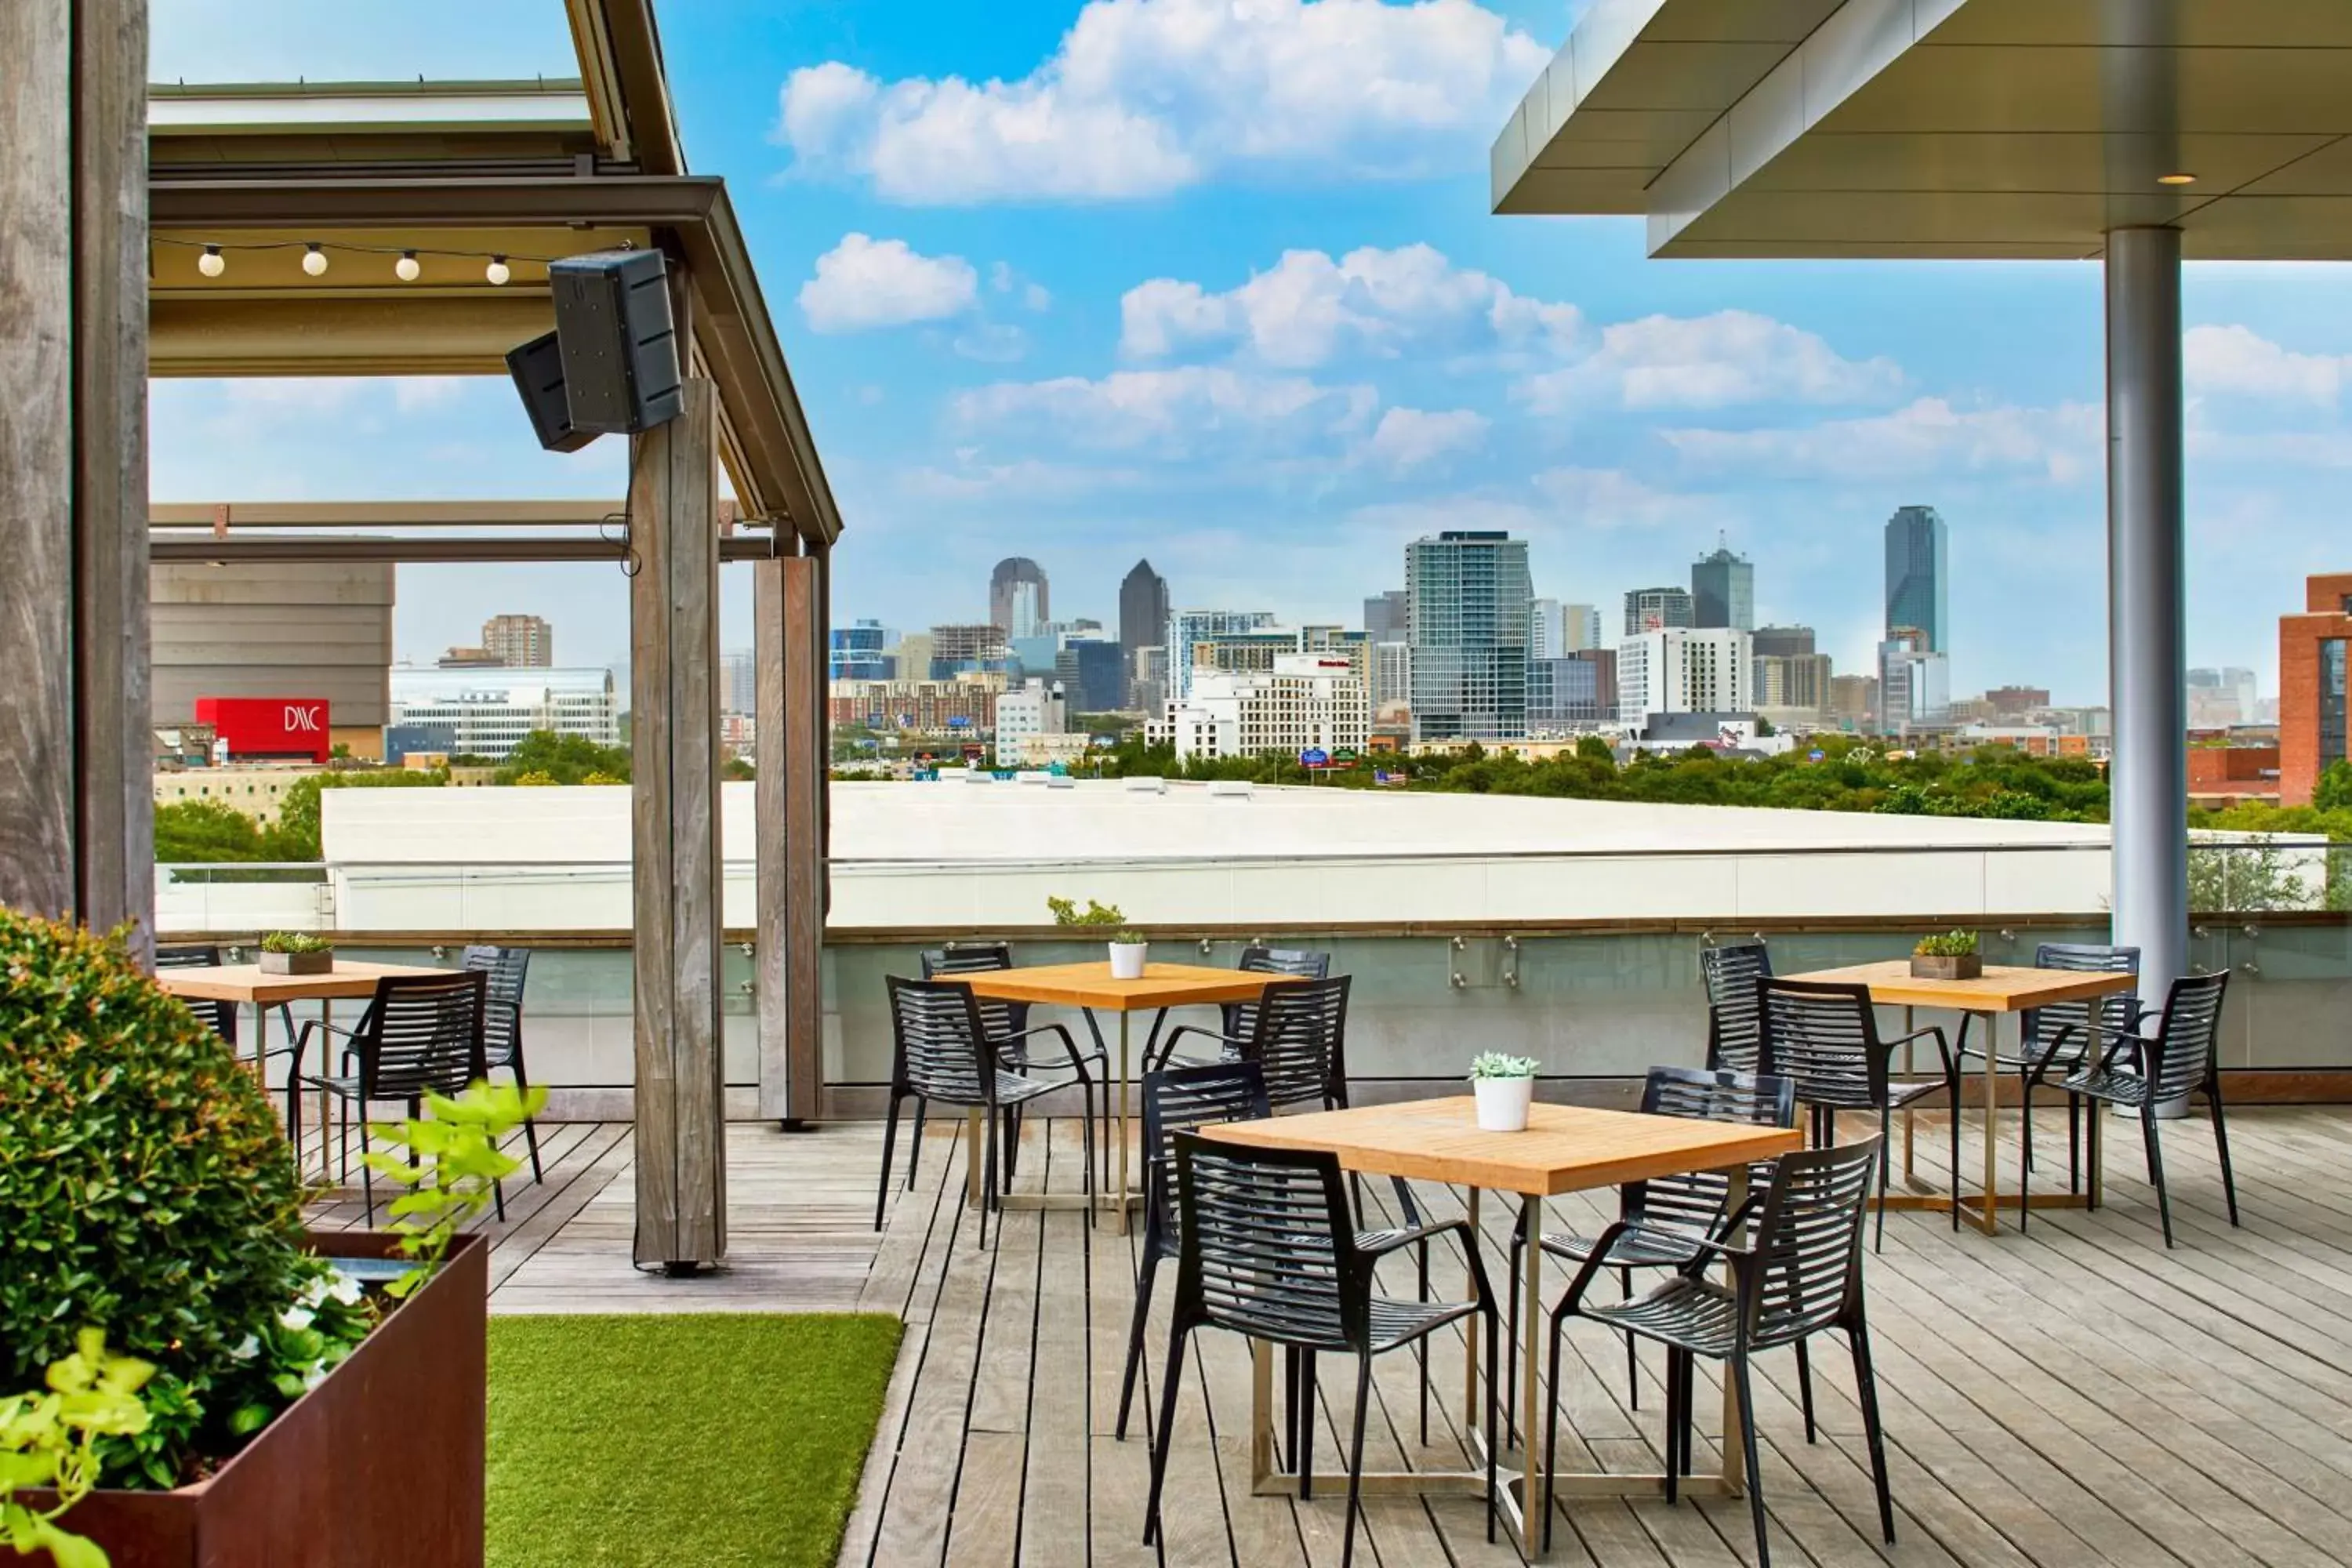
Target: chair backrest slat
{"x":2040,"y":1027}
{"x":1825,"y":1038}
{"x":1807,"y":1239}
{"x":939,"y":1042}
{"x":423,"y":1035}
{"x":1002,"y":1018}
{"x":1693,"y":1200}
{"x":1299,"y":1040}
{"x":1268,"y":1245}
{"x":1180,"y":1099}
{"x":1241,"y":1017}
{"x":2187,"y":1033}
{"x":1735,"y":1029}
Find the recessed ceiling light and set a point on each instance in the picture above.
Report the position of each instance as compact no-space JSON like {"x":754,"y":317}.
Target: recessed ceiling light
{"x":2176,"y":179}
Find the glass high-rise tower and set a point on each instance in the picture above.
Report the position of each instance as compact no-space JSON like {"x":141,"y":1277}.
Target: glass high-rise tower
{"x":1723,"y":591}
{"x":1915,"y":578}
{"x":1469,"y":597}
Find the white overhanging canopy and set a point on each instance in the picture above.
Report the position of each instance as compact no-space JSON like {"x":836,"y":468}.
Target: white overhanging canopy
{"x":2135,"y":132}
{"x":1978,"y":129}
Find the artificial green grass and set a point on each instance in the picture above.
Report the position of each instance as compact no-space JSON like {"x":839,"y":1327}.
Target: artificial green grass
{"x":680,"y":1438}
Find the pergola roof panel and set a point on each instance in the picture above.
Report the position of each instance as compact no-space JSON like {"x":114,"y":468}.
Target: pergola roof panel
{"x":1958,"y":128}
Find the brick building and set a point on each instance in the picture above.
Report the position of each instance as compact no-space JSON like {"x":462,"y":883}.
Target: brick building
{"x":2312,"y":716}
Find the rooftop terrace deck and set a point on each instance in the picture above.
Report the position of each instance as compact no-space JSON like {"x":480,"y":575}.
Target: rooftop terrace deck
{"x":2074,"y":1395}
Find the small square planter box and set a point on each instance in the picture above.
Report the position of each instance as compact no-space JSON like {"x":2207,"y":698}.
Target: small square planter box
{"x":378,"y":1467}
{"x":320,"y":962}
{"x":1952,"y":966}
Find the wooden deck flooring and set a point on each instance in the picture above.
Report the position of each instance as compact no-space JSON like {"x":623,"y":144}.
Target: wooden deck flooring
{"x":2075,"y":1396}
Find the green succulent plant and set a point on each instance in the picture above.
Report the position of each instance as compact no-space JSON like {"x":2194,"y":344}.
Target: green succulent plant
{"x":1947,"y":944}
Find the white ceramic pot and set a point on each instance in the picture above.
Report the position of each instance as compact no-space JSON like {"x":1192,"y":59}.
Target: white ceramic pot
{"x":1503,"y":1103}
{"x":1127,"y":959}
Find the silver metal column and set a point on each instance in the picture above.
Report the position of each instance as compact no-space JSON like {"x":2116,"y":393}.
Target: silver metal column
{"x":2147,"y":652}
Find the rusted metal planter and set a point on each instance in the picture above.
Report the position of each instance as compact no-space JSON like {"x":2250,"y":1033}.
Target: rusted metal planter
{"x":378,"y":1467}
{"x":1946,"y":966}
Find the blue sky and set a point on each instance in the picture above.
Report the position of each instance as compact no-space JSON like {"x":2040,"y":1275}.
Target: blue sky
{"x":1214,"y":282}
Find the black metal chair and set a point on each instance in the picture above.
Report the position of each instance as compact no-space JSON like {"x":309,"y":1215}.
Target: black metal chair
{"x":1666,"y":1218}
{"x":1177,"y":1100}
{"x":1238,"y":1020}
{"x":2173,"y":1064}
{"x":1735,"y":1027}
{"x":1825,"y":1038}
{"x":422,"y":1033}
{"x":508,"y":968}
{"x":1267,"y":1248}
{"x":1801,"y":1273}
{"x":1008,"y":1030}
{"x":2055,"y":1037}
{"x":221,"y":1015}
{"x":940,"y":1051}
{"x":1298,"y":1035}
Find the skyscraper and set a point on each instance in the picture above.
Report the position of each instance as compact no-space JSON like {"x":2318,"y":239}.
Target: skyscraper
{"x":1784,"y":642}
{"x":1017,"y":603}
{"x":1723,"y":590}
{"x":1657,"y":609}
{"x":1547,"y":629}
{"x":1384,"y":616}
{"x":519,"y":642}
{"x":1470,"y":594}
{"x":1915,"y":686}
{"x":1188,"y":630}
{"x":1915,"y":587}
{"x":1142,"y":609}
{"x":1580,"y":628}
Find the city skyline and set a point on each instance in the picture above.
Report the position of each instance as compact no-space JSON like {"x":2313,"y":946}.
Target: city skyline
{"x":1285,"y":356}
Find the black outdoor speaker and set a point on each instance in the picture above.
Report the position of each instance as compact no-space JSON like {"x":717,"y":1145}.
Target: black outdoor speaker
{"x":619,"y":349}
{"x":538,"y":371}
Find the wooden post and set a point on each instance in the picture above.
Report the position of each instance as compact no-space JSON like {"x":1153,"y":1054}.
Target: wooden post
{"x":75,"y":797}
{"x":674,"y":706}
{"x":788,"y":645}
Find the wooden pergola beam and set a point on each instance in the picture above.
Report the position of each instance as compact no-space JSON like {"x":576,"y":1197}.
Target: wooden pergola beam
{"x":75,"y":797}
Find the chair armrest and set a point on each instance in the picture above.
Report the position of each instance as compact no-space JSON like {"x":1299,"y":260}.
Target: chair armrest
{"x":1168,"y":1041}
{"x":1933,"y":1032}
{"x":1069,"y":1044}
{"x":1417,"y":1233}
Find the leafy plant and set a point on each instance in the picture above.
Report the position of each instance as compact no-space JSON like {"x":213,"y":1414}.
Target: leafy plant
{"x":1128,"y":936}
{"x":1489,"y":1064}
{"x":296,"y":941}
{"x":1947,"y":944}
{"x":1067,"y":913}
{"x":144,"y":1183}
{"x":50,"y":1441}
{"x":452,"y":1169}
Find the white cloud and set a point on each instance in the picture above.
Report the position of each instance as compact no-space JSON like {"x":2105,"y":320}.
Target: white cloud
{"x":2237,"y":361}
{"x":1409,"y":438}
{"x":411,"y":393}
{"x":1309,"y":308}
{"x":1611,"y":498}
{"x":864,"y":282}
{"x":1144,"y":97}
{"x":1194,"y":410}
{"x":992,"y":342}
{"x":1928,"y":436}
{"x":1722,"y":360}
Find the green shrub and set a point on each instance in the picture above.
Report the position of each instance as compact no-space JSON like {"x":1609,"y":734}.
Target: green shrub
{"x":144,"y":1185}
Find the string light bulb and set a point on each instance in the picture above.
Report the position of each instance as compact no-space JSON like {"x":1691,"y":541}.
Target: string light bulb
{"x":212,"y":263}
{"x":497,"y":272}
{"x":314,"y":260}
{"x":407,"y":268}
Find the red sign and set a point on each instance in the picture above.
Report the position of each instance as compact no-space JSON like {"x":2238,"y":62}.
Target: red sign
{"x":277,"y":727}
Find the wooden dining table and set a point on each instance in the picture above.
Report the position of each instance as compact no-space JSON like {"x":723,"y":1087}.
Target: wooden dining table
{"x":1090,"y":988}
{"x":1565,"y":1149}
{"x":2004,"y":990}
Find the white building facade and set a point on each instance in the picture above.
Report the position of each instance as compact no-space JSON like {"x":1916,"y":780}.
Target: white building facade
{"x":1306,"y":702}
{"x":1035,"y":708}
{"x":1685,"y":670}
{"x":486,"y":711}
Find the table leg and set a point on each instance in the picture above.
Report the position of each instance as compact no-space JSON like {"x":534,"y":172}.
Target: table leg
{"x":1531,"y":1340}
{"x":1119,"y":1193}
{"x":1735,"y":1457}
{"x":1910,"y":1117}
{"x":1473,"y":1420}
{"x":1991,"y":1217}
{"x":326,"y":1060}
{"x":1261,"y":1412}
